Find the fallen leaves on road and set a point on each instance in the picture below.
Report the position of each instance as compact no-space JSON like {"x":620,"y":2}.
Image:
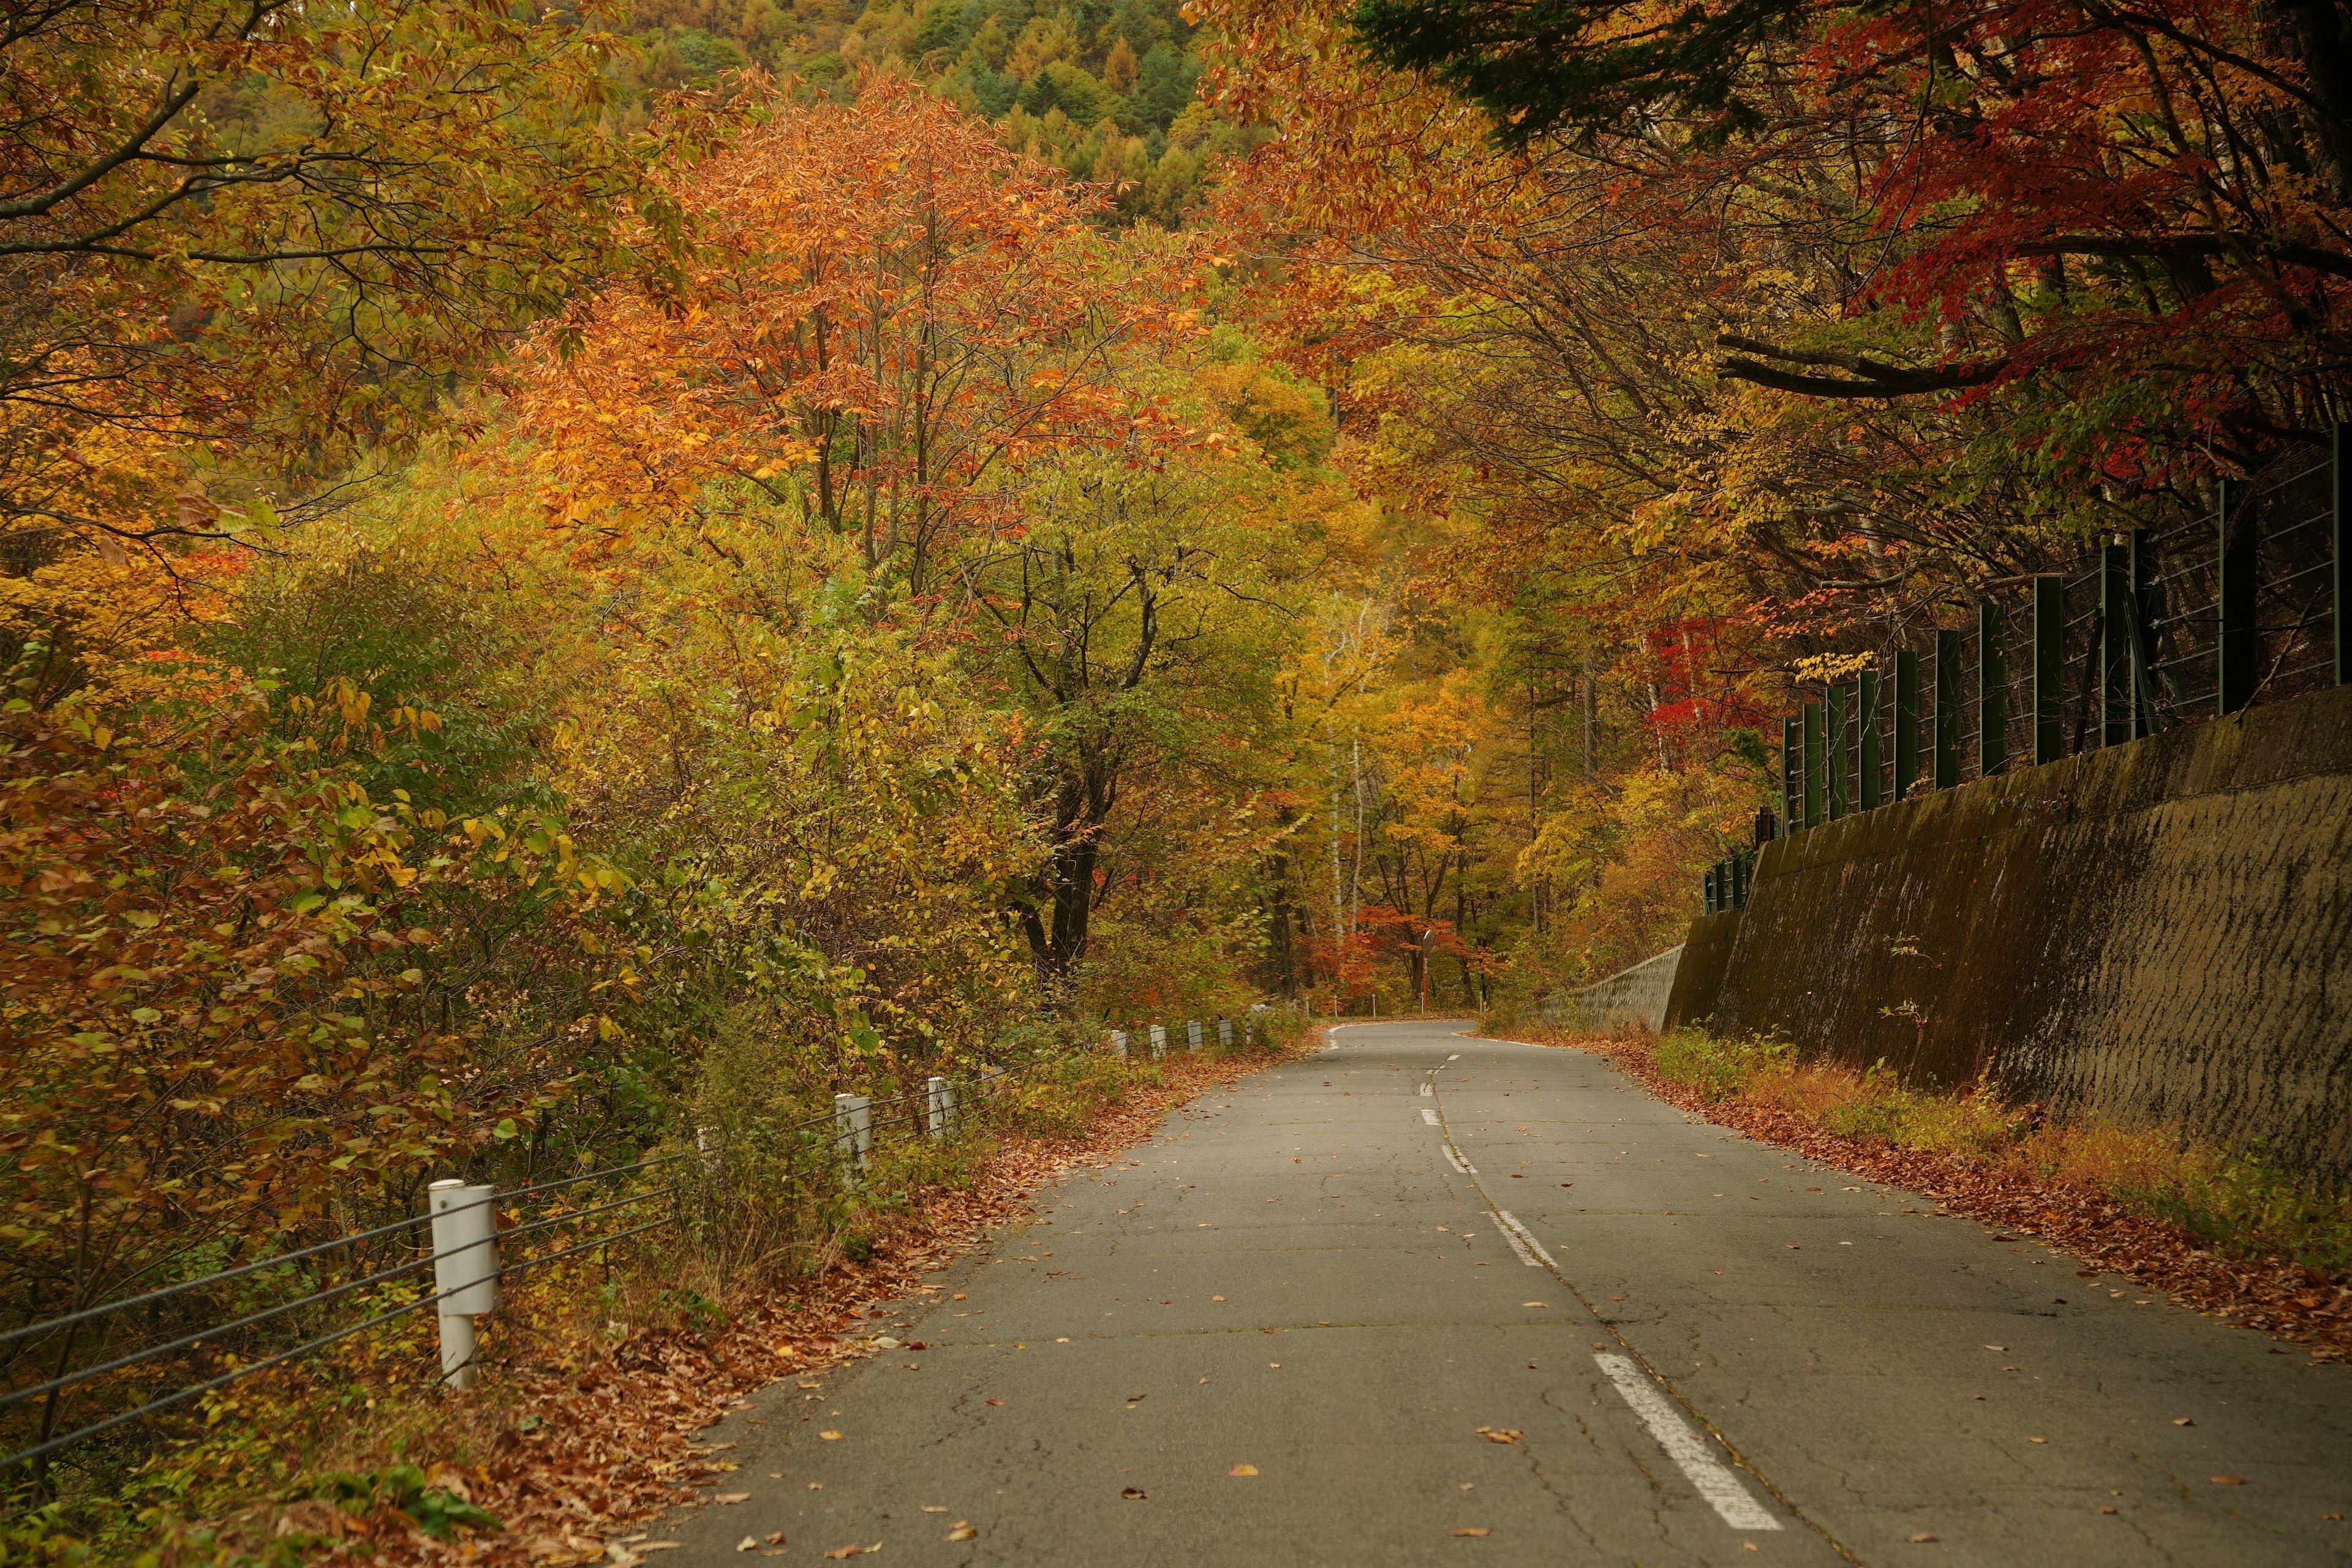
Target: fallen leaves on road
{"x":1501,"y":1434}
{"x":963,"y":1531}
{"x":748,"y":1543}
{"x":1534,"y":1303}
{"x":853,"y":1549}
{"x":1923,"y":1538}
{"x":1474,"y":1530}
{"x":830,"y":1435}
{"x":1134,"y":1494}
{"x":2184,"y":1421}
{"x":775,"y":1538}
{"x":733,"y":1497}
{"x":993,"y":1401}
{"x":1242,"y":1471}
{"x":2227,"y":1480}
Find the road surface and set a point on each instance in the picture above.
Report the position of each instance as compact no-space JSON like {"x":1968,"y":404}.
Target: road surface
{"x":1420,"y":1285}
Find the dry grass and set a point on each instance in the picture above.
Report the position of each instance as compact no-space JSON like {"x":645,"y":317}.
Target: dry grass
{"x":2234,"y":1201}
{"x":2227,"y":1233}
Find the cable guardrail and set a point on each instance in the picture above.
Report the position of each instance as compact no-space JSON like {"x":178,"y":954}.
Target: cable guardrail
{"x":463,"y":1247}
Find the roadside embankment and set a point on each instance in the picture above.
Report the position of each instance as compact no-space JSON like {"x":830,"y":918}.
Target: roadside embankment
{"x":2156,"y":934}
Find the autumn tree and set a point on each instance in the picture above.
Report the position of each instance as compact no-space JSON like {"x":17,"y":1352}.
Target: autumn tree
{"x":889,"y":314}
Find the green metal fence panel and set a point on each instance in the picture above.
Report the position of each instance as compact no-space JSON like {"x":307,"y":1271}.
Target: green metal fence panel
{"x":1947,"y":710}
{"x":1793,"y":773}
{"x":2049,"y":668}
{"x":1992,"y":692}
{"x":2115,"y":645}
{"x":1907,"y":724}
{"x":1836,"y":748}
{"x":1813,"y":764}
{"x":2143,"y":604}
{"x":1867,"y":720}
{"x":2337,"y":535}
{"x":2239,"y":646}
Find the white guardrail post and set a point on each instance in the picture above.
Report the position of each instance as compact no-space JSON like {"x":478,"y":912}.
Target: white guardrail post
{"x":939,"y":1107}
{"x":1159,"y":1041}
{"x":465,"y":1269}
{"x":1192,"y":1034}
{"x":1225,"y":1034}
{"x":1119,"y":1043}
{"x":853,"y":1136}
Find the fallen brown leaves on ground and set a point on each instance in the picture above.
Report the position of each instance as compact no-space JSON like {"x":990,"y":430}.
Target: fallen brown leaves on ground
{"x":610,"y":1443}
{"x":2275,"y":1296}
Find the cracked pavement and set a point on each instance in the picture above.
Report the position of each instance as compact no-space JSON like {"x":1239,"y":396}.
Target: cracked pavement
{"x":1300,"y":1276}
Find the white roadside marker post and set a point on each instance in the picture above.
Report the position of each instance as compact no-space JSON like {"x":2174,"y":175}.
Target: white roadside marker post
{"x":465,"y":1269}
{"x":1159,"y":1041}
{"x":1119,"y":1043}
{"x":1192,"y":1034}
{"x":853,"y":1121}
{"x":939,"y":1104}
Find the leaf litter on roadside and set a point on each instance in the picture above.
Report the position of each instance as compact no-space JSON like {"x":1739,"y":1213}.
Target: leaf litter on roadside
{"x":612,"y":1444}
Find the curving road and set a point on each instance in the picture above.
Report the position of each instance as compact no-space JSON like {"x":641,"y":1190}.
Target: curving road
{"x":1352,"y":1275}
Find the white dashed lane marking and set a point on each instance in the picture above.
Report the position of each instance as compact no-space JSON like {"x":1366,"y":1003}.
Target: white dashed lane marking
{"x":1523,"y":1241}
{"x":1713,"y":1478}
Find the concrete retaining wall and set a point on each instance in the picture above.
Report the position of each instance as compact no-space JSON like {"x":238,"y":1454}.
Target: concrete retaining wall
{"x":2156,"y":931}
{"x":1635,"y":995}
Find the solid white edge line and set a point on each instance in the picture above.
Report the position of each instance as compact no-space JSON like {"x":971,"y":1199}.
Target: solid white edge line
{"x":1527,"y":1237}
{"x":1713,"y":1478}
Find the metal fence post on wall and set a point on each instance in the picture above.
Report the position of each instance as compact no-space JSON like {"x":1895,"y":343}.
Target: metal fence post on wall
{"x":1947,"y":758}
{"x":1866,"y":716}
{"x":2049,"y":668}
{"x":1836,"y":745}
{"x":1992,"y":692}
{"x":2240,"y":644}
{"x":1907,"y":724}
{"x":465,"y":1269}
{"x":1813,"y":764}
{"x":2115,"y":645}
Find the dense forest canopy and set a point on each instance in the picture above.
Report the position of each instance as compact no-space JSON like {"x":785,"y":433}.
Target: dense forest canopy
{"x":547,"y":549}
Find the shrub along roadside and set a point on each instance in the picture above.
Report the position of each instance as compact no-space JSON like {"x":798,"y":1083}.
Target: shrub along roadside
{"x":2227,"y":1231}
{"x":596,"y":1374}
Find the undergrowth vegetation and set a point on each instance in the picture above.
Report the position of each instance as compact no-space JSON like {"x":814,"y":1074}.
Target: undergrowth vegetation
{"x":2238,"y":1202}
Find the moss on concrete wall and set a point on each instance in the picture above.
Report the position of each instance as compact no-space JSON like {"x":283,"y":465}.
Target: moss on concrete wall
{"x":2156,"y":931}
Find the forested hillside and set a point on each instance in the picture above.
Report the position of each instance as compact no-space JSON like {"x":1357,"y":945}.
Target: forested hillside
{"x":1105,"y":94}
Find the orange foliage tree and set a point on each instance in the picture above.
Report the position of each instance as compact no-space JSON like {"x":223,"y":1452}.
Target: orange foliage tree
{"x":887,"y":315}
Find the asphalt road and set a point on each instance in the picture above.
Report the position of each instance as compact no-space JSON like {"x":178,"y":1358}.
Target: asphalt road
{"x":1350,"y":1274}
